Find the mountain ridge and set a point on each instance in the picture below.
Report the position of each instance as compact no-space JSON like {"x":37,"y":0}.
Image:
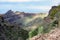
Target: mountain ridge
{"x":22,"y":18}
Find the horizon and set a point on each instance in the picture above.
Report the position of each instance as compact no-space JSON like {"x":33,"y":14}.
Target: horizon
{"x":28,"y":6}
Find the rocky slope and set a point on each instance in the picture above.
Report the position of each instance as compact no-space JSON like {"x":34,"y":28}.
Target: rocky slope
{"x":51,"y":25}
{"x":52,"y":35}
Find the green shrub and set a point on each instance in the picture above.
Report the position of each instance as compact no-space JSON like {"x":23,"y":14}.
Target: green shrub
{"x":40,"y":29}
{"x":36,"y":31}
{"x":33,"y":33}
{"x":53,"y":12}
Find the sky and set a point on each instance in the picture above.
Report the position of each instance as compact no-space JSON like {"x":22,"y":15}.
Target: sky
{"x":31,"y":6}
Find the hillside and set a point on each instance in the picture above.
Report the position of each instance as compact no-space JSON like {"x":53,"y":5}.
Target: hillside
{"x":11,"y":31}
{"x":52,"y":35}
{"x":50,"y":28}
{"x":17,"y":25}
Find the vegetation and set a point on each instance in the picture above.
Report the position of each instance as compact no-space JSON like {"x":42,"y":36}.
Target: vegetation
{"x":53,"y":11}
{"x":11,"y":32}
{"x":14,"y":32}
{"x":42,"y":29}
{"x":33,"y":33}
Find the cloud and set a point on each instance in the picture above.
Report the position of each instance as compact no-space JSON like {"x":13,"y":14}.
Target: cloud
{"x":44,"y":8}
{"x":38,"y":5}
{"x":20,"y":0}
{"x":55,"y":2}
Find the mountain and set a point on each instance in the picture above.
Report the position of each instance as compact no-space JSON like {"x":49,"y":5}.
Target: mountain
{"x":30,"y":26}
{"x":16,"y":25}
{"x":23,"y":19}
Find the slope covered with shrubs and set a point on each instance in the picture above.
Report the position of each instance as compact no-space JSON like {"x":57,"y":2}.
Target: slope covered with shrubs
{"x":11,"y":32}
{"x":48,"y":23}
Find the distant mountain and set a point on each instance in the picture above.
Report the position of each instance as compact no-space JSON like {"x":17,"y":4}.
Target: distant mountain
{"x":23,"y":19}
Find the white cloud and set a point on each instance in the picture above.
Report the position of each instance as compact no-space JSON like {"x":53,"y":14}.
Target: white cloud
{"x":20,"y":0}
{"x":55,"y":2}
{"x":44,"y":8}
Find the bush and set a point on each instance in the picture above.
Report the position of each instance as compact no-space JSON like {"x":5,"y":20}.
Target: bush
{"x":33,"y":33}
{"x":40,"y":29}
{"x":36,"y":31}
{"x":54,"y":11}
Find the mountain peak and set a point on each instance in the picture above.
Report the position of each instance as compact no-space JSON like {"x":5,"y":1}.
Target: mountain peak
{"x":9,"y":12}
